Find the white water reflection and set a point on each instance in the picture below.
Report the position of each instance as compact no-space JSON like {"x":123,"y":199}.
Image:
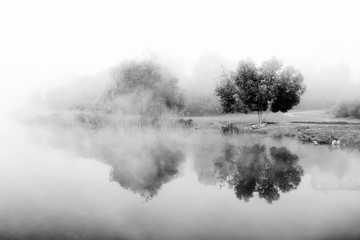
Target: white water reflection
{"x":78,"y":184}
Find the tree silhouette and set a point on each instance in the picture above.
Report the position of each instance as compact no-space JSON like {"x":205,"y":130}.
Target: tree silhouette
{"x":256,"y":89}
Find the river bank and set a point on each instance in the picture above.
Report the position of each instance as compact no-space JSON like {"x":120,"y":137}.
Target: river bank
{"x":318,"y":127}
{"x":347,"y":134}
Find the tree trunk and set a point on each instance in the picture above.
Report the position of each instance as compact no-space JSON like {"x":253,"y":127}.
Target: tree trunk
{"x":260,"y":116}
{"x":268,"y":110}
{"x":229,"y":118}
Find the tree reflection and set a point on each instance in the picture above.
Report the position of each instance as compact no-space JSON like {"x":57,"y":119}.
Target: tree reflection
{"x":250,"y":170}
{"x":139,"y":162}
{"x":146,"y":176}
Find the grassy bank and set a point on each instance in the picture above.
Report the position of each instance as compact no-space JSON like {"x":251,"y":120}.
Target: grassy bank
{"x":349,"y":135}
{"x":310,"y":126}
{"x":306,"y":126}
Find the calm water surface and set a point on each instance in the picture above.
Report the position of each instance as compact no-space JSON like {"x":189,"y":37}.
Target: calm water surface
{"x":111,"y":184}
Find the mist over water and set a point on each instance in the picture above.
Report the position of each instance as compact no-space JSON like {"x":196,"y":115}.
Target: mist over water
{"x":91,"y":168}
{"x":95,"y":130}
{"x":117,"y":184}
{"x":139,"y":184}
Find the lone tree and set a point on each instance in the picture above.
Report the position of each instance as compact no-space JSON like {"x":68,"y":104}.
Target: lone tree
{"x":270,"y":86}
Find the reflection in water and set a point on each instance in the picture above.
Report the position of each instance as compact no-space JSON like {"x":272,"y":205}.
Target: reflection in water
{"x":251,"y":169}
{"x":145,"y":166}
{"x":142,"y":163}
{"x":57,"y":194}
{"x":163,"y":166}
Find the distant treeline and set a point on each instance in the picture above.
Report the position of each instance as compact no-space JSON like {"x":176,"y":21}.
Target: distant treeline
{"x":348,"y":109}
{"x":196,"y":105}
{"x":149,"y":89}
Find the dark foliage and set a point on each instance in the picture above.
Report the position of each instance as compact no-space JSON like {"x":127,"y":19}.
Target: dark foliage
{"x":252,"y":88}
{"x":252,"y":91}
{"x":252,"y":170}
{"x":288,"y":90}
{"x":229,"y":129}
{"x":227,"y":91}
{"x":186,"y":123}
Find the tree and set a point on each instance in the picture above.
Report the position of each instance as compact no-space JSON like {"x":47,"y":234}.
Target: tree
{"x":289,"y":88}
{"x":253,"y":90}
{"x":227,"y":91}
{"x":149,"y":86}
{"x":270,"y":86}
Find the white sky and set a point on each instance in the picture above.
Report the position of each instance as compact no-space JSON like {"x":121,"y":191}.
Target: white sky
{"x":42,"y":42}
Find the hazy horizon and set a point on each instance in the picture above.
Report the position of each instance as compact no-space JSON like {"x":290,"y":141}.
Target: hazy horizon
{"x":50,"y":44}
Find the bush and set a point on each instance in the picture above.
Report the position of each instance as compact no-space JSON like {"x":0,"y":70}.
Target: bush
{"x":341,"y":110}
{"x":347,"y":109}
{"x":186,"y":123}
{"x":354,"y":110}
{"x":229,"y":129}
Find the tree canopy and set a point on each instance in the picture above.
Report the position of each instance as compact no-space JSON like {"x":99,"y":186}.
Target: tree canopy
{"x":228,"y":93}
{"x":269,"y":86}
{"x":149,"y":86}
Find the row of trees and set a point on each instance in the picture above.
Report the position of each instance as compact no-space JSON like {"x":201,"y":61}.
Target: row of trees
{"x":270,"y":86}
{"x":151,"y":89}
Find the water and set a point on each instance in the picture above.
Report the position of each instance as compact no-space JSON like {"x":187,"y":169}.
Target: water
{"x":78,"y":184}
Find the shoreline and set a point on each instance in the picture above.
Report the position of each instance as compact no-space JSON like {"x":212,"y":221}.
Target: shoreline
{"x":317,"y":133}
{"x":309,"y":127}
{"x":319,"y":127}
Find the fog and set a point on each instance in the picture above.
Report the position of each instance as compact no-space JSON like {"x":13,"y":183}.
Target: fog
{"x":75,"y":166}
{"x":51,"y":45}
{"x":326,"y":85}
{"x":78,"y":183}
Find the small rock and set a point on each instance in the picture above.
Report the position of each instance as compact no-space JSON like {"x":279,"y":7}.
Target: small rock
{"x":335,"y":142}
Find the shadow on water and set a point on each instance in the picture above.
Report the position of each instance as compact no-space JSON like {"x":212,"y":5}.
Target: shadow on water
{"x":253,"y":169}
